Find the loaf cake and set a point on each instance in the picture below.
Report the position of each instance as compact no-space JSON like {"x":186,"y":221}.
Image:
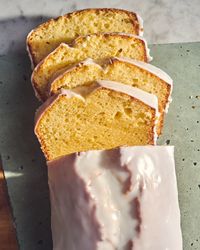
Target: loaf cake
{"x":127,"y":71}
{"x":102,"y":116}
{"x":115,"y":199}
{"x":101,"y":99}
{"x":47,"y":36}
{"x":98,"y":46}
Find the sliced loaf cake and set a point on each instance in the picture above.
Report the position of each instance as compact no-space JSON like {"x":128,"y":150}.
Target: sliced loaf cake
{"x":128,"y":71}
{"x":98,"y":46}
{"x":104,"y":116}
{"x":47,"y":36}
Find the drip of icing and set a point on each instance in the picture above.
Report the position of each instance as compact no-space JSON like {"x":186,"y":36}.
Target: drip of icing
{"x":30,"y":56}
{"x":28,"y":50}
{"x":149,"y":57}
{"x":149,"y":67}
{"x":141,"y":27}
{"x":147,"y":98}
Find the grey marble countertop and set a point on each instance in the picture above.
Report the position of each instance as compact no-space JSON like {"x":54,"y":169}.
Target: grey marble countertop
{"x":165,"y":21}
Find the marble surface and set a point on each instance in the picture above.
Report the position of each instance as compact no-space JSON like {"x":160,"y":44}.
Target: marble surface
{"x":165,"y":21}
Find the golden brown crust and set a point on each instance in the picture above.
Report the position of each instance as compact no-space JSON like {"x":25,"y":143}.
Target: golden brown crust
{"x":162,"y":115}
{"x":133,"y":18}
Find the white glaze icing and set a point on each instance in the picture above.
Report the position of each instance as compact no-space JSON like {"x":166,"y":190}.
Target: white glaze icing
{"x":149,"y":67}
{"x":30,"y":57}
{"x":113,"y":198}
{"x":39,"y":112}
{"x":103,"y":185}
{"x":147,"y":98}
{"x":141,"y":27}
{"x":28,"y":50}
{"x":155,"y":170}
{"x":74,"y":93}
{"x":72,"y":209}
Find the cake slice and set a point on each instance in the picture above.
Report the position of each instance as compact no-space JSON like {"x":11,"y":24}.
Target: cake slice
{"x":127,"y":71}
{"x":104,"y":116}
{"x":47,"y":36}
{"x":120,"y":199}
{"x":98,"y":46}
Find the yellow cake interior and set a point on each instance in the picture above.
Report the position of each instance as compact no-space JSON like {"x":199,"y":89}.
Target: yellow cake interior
{"x":119,"y":71}
{"x":46,"y":37}
{"x":103,"y":120}
{"x":98,"y":47}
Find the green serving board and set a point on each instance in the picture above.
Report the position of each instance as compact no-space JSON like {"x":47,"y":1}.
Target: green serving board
{"x":21,"y":154}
